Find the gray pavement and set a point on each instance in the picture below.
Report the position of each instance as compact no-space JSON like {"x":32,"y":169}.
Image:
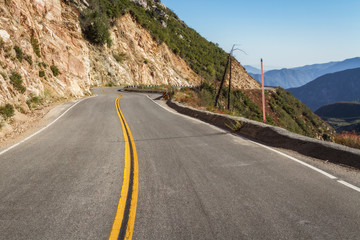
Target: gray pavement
{"x":195,"y":181}
{"x":65,"y":182}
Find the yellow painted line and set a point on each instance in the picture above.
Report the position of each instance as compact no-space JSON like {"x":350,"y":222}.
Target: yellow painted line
{"x":134,"y":198}
{"x":114,"y":234}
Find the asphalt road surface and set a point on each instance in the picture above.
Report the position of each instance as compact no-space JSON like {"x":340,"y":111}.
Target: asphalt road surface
{"x":194,"y":181}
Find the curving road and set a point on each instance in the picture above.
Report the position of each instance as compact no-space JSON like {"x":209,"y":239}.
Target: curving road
{"x":195,"y":181}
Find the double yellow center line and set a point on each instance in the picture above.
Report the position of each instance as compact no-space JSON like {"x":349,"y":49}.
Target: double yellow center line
{"x":124,"y":222}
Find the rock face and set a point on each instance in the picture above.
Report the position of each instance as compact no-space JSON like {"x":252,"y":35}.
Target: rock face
{"x":40,"y":36}
{"x":55,"y":27}
{"x":142,"y":3}
{"x":142,"y":61}
{"x":240,"y":78}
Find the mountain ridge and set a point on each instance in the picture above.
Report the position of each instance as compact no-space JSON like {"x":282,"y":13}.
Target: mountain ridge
{"x":330,"y":88}
{"x":343,"y":116}
{"x":299,"y":76}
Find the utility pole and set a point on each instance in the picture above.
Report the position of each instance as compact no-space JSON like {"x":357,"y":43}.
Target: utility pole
{"x":223,"y":79}
{"x":263,"y":91}
{"x":229,"y":93}
{"x":222,"y":82}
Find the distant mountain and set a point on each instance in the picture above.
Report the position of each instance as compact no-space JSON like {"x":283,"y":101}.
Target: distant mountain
{"x":296,"y":77}
{"x":251,"y":69}
{"x":343,"y":116}
{"x":340,"y":110}
{"x":330,"y":88}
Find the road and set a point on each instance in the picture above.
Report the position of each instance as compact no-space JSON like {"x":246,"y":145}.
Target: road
{"x":194,"y":181}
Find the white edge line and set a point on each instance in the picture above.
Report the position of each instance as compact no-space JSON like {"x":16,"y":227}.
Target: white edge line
{"x":186,"y":116}
{"x":278,"y":152}
{"x":298,"y":161}
{"x":349,"y":185}
{"x":32,"y":135}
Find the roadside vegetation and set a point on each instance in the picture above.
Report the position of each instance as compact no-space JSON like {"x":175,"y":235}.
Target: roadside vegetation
{"x":34,"y":102}
{"x":350,"y":139}
{"x":283,"y":109}
{"x":6,"y":112}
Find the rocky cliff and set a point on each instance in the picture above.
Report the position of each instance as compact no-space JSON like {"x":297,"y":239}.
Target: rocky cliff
{"x":36,"y":36}
{"x":43,"y":54}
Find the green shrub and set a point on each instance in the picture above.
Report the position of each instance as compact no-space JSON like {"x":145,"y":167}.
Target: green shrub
{"x":19,"y":53}
{"x":35,"y":44}
{"x":3,"y":75}
{"x":16,"y":81}
{"x":119,"y":57}
{"x":33,"y":101}
{"x":54,"y":70}
{"x":42,"y":64}
{"x":110,"y":84}
{"x":95,"y":27}
{"x":41,"y":73}
{"x":28,"y":58}
{"x":7,"y":111}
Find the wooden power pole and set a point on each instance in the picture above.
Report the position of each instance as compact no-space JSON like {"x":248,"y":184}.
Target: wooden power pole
{"x":263,"y":91}
{"x":229,"y":93}
{"x":222,"y":81}
{"x":224,"y":76}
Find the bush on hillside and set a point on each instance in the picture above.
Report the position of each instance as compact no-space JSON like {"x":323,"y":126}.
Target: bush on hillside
{"x":54,"y":70}
{"x":7,"y":111}
{"x":34,"y":101}
{"x":205,"y":58}
{"x":41,"y":73}
{"x":95,"y":27}
{"x":19,"y":53}
{"x":16,"y":81}
{"x":35,"y":44}
{"x":119,"y":57}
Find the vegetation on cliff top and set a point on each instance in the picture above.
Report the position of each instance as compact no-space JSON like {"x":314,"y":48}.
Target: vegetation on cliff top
{"x":205,"y":58}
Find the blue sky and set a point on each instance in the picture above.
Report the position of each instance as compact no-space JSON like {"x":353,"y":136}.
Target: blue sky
{"x":288,"y":33}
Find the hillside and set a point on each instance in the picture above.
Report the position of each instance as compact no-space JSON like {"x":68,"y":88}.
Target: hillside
{"x":204,"y":57}
{"x":296,"y":77}
{"x":282,"y":108}
{"x":330,"y":88}
{"x":343,"y":116}
{"x":56,"y":50}
{"x":340,"y":110}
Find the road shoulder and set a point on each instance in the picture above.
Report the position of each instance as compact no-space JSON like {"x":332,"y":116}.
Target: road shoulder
{"x":342,"y":172}
{"x":34,"y":123}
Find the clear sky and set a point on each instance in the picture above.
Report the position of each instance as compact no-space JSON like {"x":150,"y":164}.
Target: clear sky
{"x":285,"y":33}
